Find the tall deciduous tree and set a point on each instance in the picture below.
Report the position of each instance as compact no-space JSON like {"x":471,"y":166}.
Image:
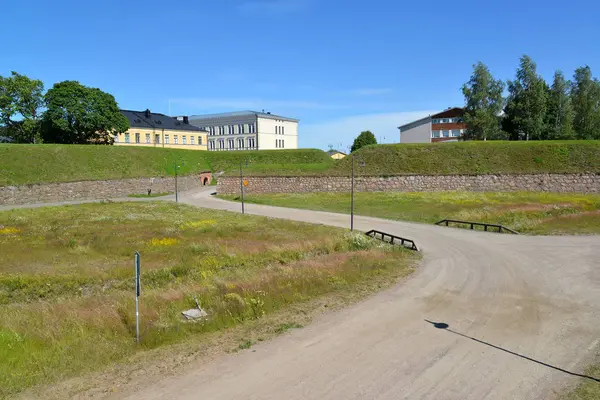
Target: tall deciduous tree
{"x":525,"y":109}
{"x":364,"y":139}
{"x":559,"y":118}
{"x":20,"y":101}
{"x":483,"y":104}
{"x":80,"y":114}
{"x":585,"y":94}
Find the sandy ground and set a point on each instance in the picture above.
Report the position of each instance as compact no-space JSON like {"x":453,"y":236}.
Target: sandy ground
{"x":522,"y":315}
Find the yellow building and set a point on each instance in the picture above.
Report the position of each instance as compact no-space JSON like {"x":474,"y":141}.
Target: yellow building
{"x":158,"y":130}
{"x":336,"y":155}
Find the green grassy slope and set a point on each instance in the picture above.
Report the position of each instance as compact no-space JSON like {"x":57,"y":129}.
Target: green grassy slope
{"x":476,"y":158}
{"x":23,"y":164}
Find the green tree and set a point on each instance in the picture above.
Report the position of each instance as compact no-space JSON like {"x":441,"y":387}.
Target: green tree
{"x":525,"y":111}
{"x":483,"y":104}
{"x":20,"y":101}
{"x":80,"y":114}
{"x":585,"y":96}
{"x":559,"y":117}
{"x":364,"y":139}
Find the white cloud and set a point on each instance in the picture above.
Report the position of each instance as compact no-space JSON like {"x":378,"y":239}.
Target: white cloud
{"x":370,"y":91}
{"x":340,"y":133}
{"x":274,"y":6}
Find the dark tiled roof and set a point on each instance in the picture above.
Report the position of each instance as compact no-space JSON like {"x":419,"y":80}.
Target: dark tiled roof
{"x":450,"y":113}
{"x":147,"y":119}
{"x":243,"y":114}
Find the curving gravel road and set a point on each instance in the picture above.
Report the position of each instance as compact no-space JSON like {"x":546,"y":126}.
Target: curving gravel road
{"x":522,"y":313}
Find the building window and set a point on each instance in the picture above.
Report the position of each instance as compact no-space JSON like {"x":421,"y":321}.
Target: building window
{"x":435,"y":121}
{"x":241,"y":128}
{"x":446,"y":133}
{"x":199,"y":140}
{"x":157,"y":138}
{"x":251,"y":143}
{"x":223,"y":130}
{"x":231,"y":130}
{"x":455,"y":132}
{"x":116,"y":138}
{"x":127,"y":138}
{"x":240,"y":143}
{"x":251,"y":127}
{"x":184,"y":140}
{"x":230,"y":143}
{"x":175,"y":139}
{"x":211,"y":144}
{"x":435,"y":134}
{"x":137,"y":137}
{"x":276,"y":143}
{"x":282,"y":144}
{"x":211,"y":131}
{"x":283,"y":130}
{"x":148,"y":138}
{"x":192,"y":140}
{"x":167,"y":140}
{"x":221,"y":144}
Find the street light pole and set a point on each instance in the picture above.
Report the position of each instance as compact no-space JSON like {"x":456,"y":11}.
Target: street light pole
{"x":352,"y":198}
{"x":176,"y":191}
{"x":242,"y":187}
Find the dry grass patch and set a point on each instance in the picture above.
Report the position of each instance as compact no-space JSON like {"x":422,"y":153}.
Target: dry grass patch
{"x":526,"y":212}
{"x":68,"y":306}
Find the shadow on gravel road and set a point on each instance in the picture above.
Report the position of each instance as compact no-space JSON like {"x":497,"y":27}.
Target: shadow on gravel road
{"x":446,"y":327}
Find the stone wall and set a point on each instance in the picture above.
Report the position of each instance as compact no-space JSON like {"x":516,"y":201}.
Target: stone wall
{"x":579,"y":183}
{"x":91,"y":190}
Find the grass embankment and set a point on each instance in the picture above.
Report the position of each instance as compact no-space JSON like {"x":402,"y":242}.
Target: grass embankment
{"x":24,"y":164}
{"x":66,"y":279}
{"x":475,"y":158}
{"x":534,"y":213}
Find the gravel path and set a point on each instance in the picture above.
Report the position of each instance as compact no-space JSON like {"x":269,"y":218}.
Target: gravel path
{"x":510,"y":317}
{"x":523,"y":316}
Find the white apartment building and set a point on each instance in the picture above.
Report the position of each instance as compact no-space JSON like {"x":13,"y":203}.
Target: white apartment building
{"x":247,"y":130}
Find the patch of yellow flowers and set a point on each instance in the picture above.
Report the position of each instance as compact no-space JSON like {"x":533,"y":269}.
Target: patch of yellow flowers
{"x":199,"y":224}
{"x":155,"y":242}
{"x":8,"y":230}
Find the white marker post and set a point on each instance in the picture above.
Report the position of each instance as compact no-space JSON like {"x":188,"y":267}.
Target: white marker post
{"x":138,"y":288}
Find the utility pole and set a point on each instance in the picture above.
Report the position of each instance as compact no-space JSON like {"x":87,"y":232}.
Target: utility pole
{"x":242,"y":186}
{"x":352,"y":198}
{"x":176,"y":191}
{"x":362,"y":164}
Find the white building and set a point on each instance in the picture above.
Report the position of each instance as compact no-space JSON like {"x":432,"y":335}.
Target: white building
{"x":247,"y":130}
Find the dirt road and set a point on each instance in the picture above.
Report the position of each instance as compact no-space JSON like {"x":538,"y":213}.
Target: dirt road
{"x":523,"y":314}
{"x":519,"y":310}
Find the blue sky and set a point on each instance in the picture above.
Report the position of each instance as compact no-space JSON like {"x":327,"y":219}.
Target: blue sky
{"x":338,"y":66}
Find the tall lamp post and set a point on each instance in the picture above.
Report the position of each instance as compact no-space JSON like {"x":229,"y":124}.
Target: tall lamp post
{"x":362,"y":164}
{"x":242,"y":185}
{"x":176,"y":167}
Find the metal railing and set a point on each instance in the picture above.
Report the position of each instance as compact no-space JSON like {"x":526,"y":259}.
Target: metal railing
{"x":393,"y":239}
{"x":500,"y":228}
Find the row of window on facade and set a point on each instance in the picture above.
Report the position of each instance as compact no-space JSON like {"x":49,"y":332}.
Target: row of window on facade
{"x":230,"y":129}
{"x":448,"y":133}
{"x":279,"y":143}
{"x":250,"y":143}
{"x":184,"y":139}
{"x":280,"y":130}
{"x":447,"y":120}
